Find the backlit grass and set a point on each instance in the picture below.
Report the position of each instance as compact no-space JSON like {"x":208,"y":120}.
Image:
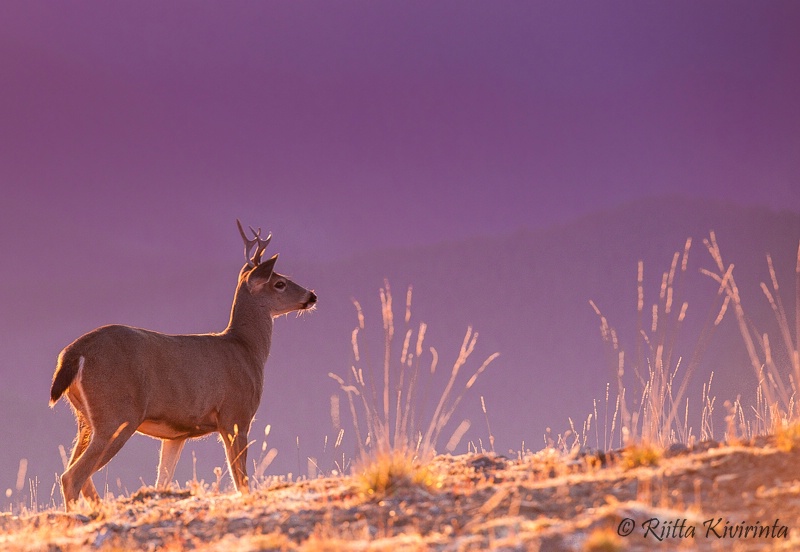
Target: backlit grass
{"x":394,"y":436}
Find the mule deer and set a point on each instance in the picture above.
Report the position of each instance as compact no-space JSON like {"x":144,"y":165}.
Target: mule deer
{"x":121,"y":379}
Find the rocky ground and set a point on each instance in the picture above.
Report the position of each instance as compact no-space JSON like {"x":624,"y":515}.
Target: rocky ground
{"x":700,"y":499}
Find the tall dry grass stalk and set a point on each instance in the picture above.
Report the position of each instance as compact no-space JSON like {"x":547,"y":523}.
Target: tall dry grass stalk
{"x":388,"y":408}
{"x":651,"y":405}
{"x":777,"y":404}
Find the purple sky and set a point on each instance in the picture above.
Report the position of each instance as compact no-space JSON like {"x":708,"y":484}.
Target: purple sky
{"x":351,"y":125}
{"x":132,"y":134}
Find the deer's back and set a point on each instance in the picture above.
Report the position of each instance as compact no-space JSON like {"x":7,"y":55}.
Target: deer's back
{"x":160,"y":371}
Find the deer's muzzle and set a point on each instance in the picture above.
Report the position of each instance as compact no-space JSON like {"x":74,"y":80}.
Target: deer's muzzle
{"x":312,"y":300}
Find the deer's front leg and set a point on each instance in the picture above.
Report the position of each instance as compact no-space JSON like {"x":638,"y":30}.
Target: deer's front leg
{"x":167,"y":460}
{"x":236,"y":451}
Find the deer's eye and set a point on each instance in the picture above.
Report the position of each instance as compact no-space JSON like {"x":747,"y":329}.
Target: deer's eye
{"x":280,"y":284}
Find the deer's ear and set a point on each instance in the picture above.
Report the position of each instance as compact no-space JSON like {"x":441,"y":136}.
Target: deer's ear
{"x":261,"y":274}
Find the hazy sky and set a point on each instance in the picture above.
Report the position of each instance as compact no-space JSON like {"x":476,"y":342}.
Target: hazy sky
{"x":351,"y":125}
{"x":132,"y":134}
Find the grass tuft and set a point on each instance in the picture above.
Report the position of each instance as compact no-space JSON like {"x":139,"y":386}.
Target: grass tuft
{"x":787,"y":437}
{"x":395,"y":439}
{"x":389,"y":473}
{"x":777,"y":381}
{"x":603,"y":540}
{"x":653,"y":372}
{"x":641,"y":454}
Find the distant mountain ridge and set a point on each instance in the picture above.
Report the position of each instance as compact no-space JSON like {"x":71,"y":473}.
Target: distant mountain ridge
{"x":527,"y":294}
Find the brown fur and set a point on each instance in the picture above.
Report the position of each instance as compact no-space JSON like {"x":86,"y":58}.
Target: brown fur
{"x":121,"y":379}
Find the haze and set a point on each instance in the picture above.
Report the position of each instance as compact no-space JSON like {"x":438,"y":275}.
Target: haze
{"x":133,"y":134}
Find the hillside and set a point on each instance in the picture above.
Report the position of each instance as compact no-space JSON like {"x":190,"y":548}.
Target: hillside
{"x":526,"y":294}
{"x":744,"y":497}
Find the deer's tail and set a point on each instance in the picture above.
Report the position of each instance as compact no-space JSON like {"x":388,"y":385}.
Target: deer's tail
{"x":69,"y":364}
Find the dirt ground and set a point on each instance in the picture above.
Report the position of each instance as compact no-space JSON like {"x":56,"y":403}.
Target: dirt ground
{"x":744,"y":497}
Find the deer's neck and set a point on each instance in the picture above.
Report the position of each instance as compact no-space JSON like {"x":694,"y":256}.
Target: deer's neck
{"x":252,"y":326}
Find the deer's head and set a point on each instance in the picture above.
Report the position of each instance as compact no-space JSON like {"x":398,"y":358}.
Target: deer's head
{"x":271,"y":291}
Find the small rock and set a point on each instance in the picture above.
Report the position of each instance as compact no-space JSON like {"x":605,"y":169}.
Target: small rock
{"x":590,"y":454}
{"x":101,"y":538}
{"x":706,"y":445}
{"x":485,"y":462}
{"x":676,"y":449}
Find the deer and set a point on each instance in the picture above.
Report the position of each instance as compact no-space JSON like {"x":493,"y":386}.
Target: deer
{"x":120,"y":380}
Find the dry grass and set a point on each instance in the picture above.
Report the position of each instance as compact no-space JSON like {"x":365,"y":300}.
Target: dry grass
{"x":634,"y":456}
{"x":655,"y":364}
{"x":660,"y":376}
{"x":394,"y":436}
{"x":777,"y":383}
{"x":604,"y":540}
{"x":787,"y":436}
{"x":389,"y":473}
{"x":542,"y":501}
{"x":657,"y":373}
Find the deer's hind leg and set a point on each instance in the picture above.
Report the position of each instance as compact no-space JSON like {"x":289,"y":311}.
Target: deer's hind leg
{"x":81,"y":442}
{"x":105,"y":442}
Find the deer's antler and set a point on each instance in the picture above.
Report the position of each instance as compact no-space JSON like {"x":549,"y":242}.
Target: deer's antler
{"x":256,"y":241}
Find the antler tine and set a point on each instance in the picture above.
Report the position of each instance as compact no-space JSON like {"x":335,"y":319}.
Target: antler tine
{"x":262,"y":246}
{"x":248,"y":243}
{"x":256,"y":242}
